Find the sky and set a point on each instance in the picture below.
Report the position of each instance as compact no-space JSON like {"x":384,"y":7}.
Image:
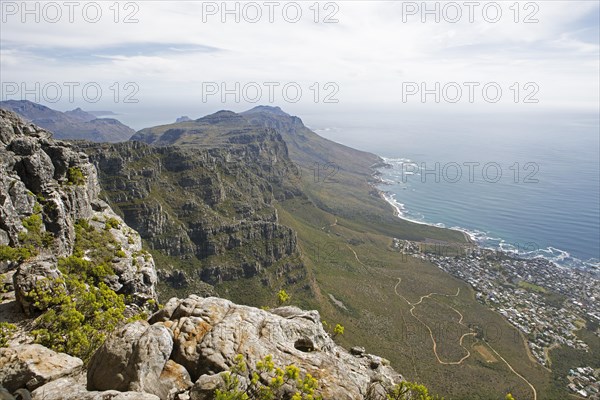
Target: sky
{"x":195,"y":57}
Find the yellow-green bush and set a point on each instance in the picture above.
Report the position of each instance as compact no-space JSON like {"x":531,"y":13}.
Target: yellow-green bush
{"x":266,"y":383}
{"x":78,"y":315}
{"x":6,"y":331}
{"x":8,"y":253}
{"x":282,"y":297}
{"x":80,"y":309}
{"x":112,"y":223}
{"x":75,"y":176}
{"x":34,"y":238}
{"x":408,"y":391}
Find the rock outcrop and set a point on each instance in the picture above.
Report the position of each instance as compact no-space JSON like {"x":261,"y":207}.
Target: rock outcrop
{"x":46,"y":187}
{"x":31,"y":366}
{"x":198,"y":338}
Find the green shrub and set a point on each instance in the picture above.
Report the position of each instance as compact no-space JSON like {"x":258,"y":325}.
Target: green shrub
{"x":6,"y":332}
{"x":85,"y":271}
{"x":409,"y":390}
{"x":112,"y":223}
{"x":97,"y":244}
{"x":266,"y":383}
{"x":75,"y":176}
{"x":78,"y":316}
{"x":34,"y":238}
{"x":282,"y":297}
{"x":338,"y":330}
{"x":120,"y":254}
{"x":8,"y":253}
{"x":80,"y":309}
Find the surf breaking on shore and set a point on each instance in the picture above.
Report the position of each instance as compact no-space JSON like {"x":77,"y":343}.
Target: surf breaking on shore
{"x":481,"y":238}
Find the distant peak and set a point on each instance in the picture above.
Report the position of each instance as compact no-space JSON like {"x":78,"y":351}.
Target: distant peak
{"x":267,"y":109}
{"x":183,"y":118}
{"x":23,"y":103}
{"x":220,"y":116}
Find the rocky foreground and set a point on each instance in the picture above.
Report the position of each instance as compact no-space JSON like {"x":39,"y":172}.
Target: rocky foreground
{"x":50,"y":218}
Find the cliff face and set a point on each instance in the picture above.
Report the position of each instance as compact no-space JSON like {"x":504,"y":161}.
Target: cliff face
{"x":209,"y":208}
{"x":46,"y":188}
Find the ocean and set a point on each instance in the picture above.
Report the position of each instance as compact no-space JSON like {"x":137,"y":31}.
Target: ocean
{"x":528,"y":183}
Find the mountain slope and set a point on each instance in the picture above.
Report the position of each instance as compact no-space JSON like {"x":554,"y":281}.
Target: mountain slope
{"x":75,"y":125}
{"x":208,"y":212}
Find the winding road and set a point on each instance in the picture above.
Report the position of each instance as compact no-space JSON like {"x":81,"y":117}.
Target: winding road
{"x":460,"y":321}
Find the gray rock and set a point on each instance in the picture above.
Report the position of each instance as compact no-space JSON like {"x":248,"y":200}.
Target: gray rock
{"x":209,"y":332}
{"x":357,"y":351}
{"x":134,"y":358}
{"x":24,"y":146}
{"x":36,"y":171}
{"x":108,"y":367}
{"x":31,"y":274}
{"x":74,"y":389}
{"x":31,"y":366}
{"x":151,"y":353}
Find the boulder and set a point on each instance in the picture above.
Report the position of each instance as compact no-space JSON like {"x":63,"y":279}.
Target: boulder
{"x":135,"y":358}
{"x":209,"y":332}
{"x":29,"y":275}
{"x":74,"y":389}
{"x":109,"y":366}
{"x":31,"y":366}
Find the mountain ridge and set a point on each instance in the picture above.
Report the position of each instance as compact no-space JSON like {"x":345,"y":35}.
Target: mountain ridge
{"x":72,"y":125}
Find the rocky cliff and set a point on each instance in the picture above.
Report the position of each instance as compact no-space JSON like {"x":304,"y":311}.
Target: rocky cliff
{"x":46,"y":189}
{"x":209,"y":208}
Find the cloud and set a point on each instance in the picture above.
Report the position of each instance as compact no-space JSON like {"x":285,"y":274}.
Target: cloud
{"x":176,"y":47}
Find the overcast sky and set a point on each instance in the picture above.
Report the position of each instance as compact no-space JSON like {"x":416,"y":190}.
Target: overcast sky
{"x":372,"y":53}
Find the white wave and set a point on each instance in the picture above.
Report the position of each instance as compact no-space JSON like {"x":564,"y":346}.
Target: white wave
{"x":529,"y":250}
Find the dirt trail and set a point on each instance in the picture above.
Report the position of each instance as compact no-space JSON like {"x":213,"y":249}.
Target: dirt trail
{"x":460,"y":342}
{"x":460,"y":321}
{"x":515,"y":372}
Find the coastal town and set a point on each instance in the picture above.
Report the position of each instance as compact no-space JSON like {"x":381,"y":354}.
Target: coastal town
{"x":545,"y":301}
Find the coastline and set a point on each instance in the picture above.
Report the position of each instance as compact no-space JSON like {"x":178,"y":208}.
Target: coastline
{"x":388,"y":197}
{"x":471,"y":237}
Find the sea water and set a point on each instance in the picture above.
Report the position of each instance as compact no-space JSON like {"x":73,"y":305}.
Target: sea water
{"x":516,"y":182}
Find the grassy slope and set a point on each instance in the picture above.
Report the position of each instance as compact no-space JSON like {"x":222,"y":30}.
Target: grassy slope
{"x":375,"y":317}
{"x":380,"y":320}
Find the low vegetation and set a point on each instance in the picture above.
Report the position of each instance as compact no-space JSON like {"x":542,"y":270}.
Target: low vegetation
{"x":282,"y":297}
{"x":31,"y":240}
{"x":408,"y":391}
{"x":80,"y":309}
{"x":6,"y":332}
{"x":75,"y":176}
{"x":267,"y":383}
